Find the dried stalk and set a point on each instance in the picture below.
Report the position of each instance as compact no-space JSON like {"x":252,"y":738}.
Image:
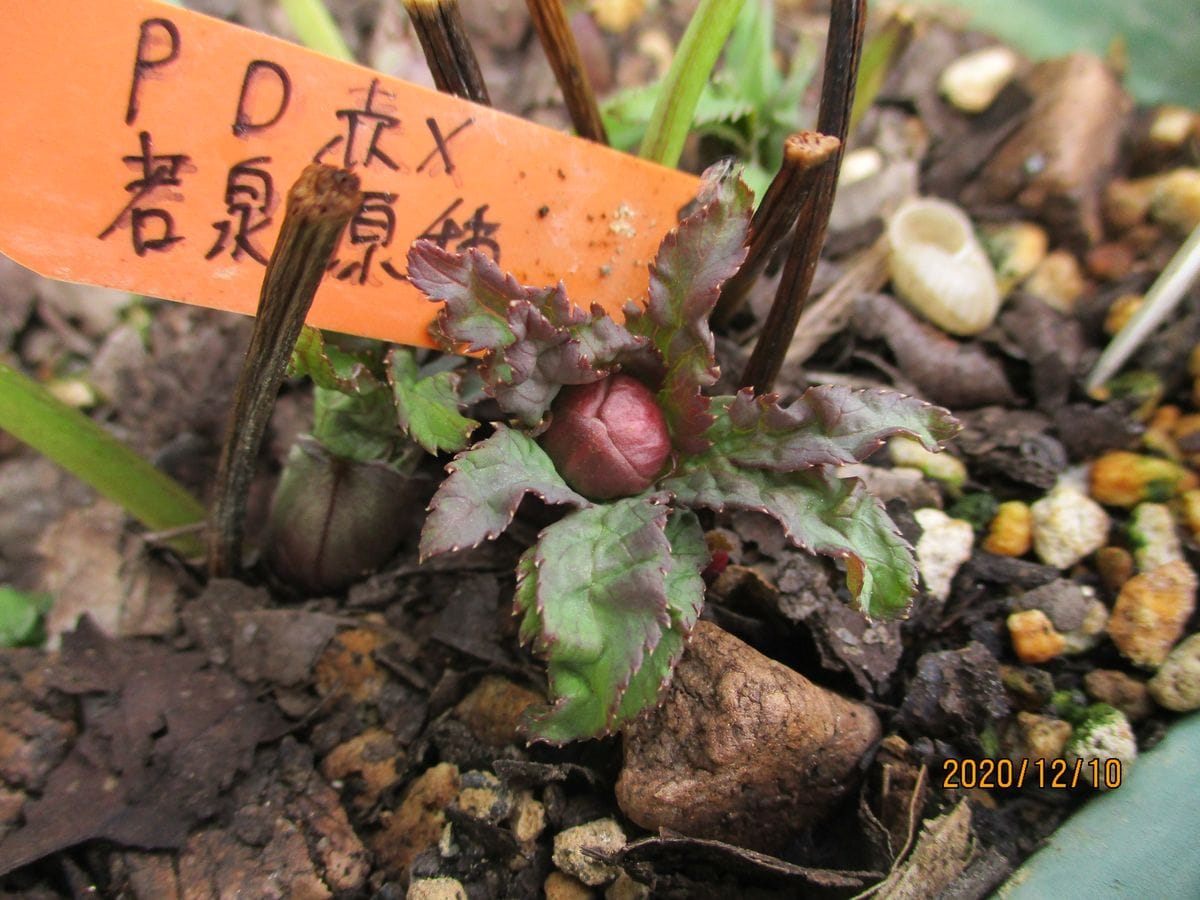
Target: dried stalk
{"x":865,"y":273}
{"x":803,"y":156}
{"x":550,"y":20}
{"x":843,"y":50}
{"x":443,"y":36}
{"x":319,"y":206}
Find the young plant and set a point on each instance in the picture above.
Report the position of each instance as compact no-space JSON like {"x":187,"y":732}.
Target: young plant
{"x":374,"y":416}
{"x":751,"y":104}
{"x":612,"y":420}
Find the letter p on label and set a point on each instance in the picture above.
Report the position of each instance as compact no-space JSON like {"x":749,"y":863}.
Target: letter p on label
{"x":148,"y":148}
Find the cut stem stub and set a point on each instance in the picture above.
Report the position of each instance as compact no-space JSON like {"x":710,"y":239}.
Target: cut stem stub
{"x":843,"y":50}
{"x":319,"y":205}
{"x":804,"y":154}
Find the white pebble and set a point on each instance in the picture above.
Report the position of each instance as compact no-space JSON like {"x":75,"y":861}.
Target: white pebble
{"x":972,"y":82}
{"x":604,"y":835}
{"x":1067,"y":526}
{"x":945,"y":544}
{"x":1153,"y":531}
{"x":1176,"y":684}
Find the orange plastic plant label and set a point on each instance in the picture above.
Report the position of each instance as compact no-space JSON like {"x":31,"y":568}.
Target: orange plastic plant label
{"x":150,"y":149}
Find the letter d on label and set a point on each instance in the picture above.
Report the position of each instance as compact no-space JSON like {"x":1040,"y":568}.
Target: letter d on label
{"x":249,"y":104}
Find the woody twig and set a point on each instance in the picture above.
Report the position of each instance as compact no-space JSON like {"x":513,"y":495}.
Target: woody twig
{"x":803,"y":156}
{"x":550,"y":21}
{"x":319,"y":205}
{"x":443,"y":36}
{"x":843,"y":50}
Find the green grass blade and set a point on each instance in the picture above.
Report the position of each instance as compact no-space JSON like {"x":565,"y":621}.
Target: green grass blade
{"x":33,"y":415}
{"x":689,"y":72}
{"x":316,"y":28}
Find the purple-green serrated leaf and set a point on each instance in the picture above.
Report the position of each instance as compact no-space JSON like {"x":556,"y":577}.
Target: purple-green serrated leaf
{"x":427,"y":408}
{"x":329,"y":368}
{"x":476,"y":295}
{"x":601,"y":596}
{"x":693,"y":262}
{"x":685,"y":600}
{"x":820,"y":513}
{"x":535,"y":340}
{"x":649,"y":684}
{"x":557,"y":344}
{"x":828,"y":425}
{"x":486,"y":484}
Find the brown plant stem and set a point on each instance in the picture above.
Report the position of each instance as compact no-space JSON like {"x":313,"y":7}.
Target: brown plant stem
{"x":319,"y":206}
{"x":804,"y":154}
{"x":443,"y":36}
{"x":843,"y":50}
{"x":550,"y":21}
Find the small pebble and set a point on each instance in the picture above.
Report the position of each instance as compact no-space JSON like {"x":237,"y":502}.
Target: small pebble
{"x":1028,"y":686}
{"x":1016,"y":249}
{"x":1037,"y":737}
{"x":945,"y":544}
{"x":1011,"y":531}
{"x":1074,"y":612}
{"x":604,"y":835}
{"x":1121,"y":311}
{"x":911,"y":454}
{"x":1067,"y":526}
{"x":483,"y":796}
{"x":1122,"y":478}
{"x":1189,"y":509}
{"x":1115,"y":566}
{"x":563,"y":887}
{"x":1176,"y":200}
{"x":973,"y":81}
{"x":625,"y":888}
{"x":1151,"y":611}
{"x":492,"y":711}
{"x":1120,"y":690}
{"x":1110,"y":261}
{"x":1155,"y":540}
{"x":1172,"y":126}
{"x":1033,"y":636}
{"x":1176,"y":684}
{"x":528,"y":818}
{"x":1103,"y":734}
{"x":436,"y":889}
{"x":1057,"y":281}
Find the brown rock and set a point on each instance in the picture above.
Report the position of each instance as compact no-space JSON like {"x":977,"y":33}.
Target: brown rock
{"x":347,"y":666}
{"x":741,"y":740}
{"x":436,"y":889}
{"x":1117,"y":689}
{"x":563,"y":887}
{"x":1073,"y":131}
{"x":373,"y":756}
{"x":1036,"y":737}
{"x":493,"y":710}
{"x":1151,"y":611}
{"x":419,"y":821}
{"x":1033,"y":636}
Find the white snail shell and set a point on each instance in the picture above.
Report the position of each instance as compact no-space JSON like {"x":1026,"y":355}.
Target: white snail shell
{"x":939,"y":268}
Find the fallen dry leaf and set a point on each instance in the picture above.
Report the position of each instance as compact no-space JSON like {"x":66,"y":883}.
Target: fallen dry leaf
{"x":163,"y":738}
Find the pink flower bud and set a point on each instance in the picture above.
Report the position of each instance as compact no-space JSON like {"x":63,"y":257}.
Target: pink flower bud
{"x":609,"y":438}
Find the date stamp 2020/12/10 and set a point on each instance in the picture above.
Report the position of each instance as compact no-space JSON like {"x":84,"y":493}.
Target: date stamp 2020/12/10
{"x":1059,"y":774}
